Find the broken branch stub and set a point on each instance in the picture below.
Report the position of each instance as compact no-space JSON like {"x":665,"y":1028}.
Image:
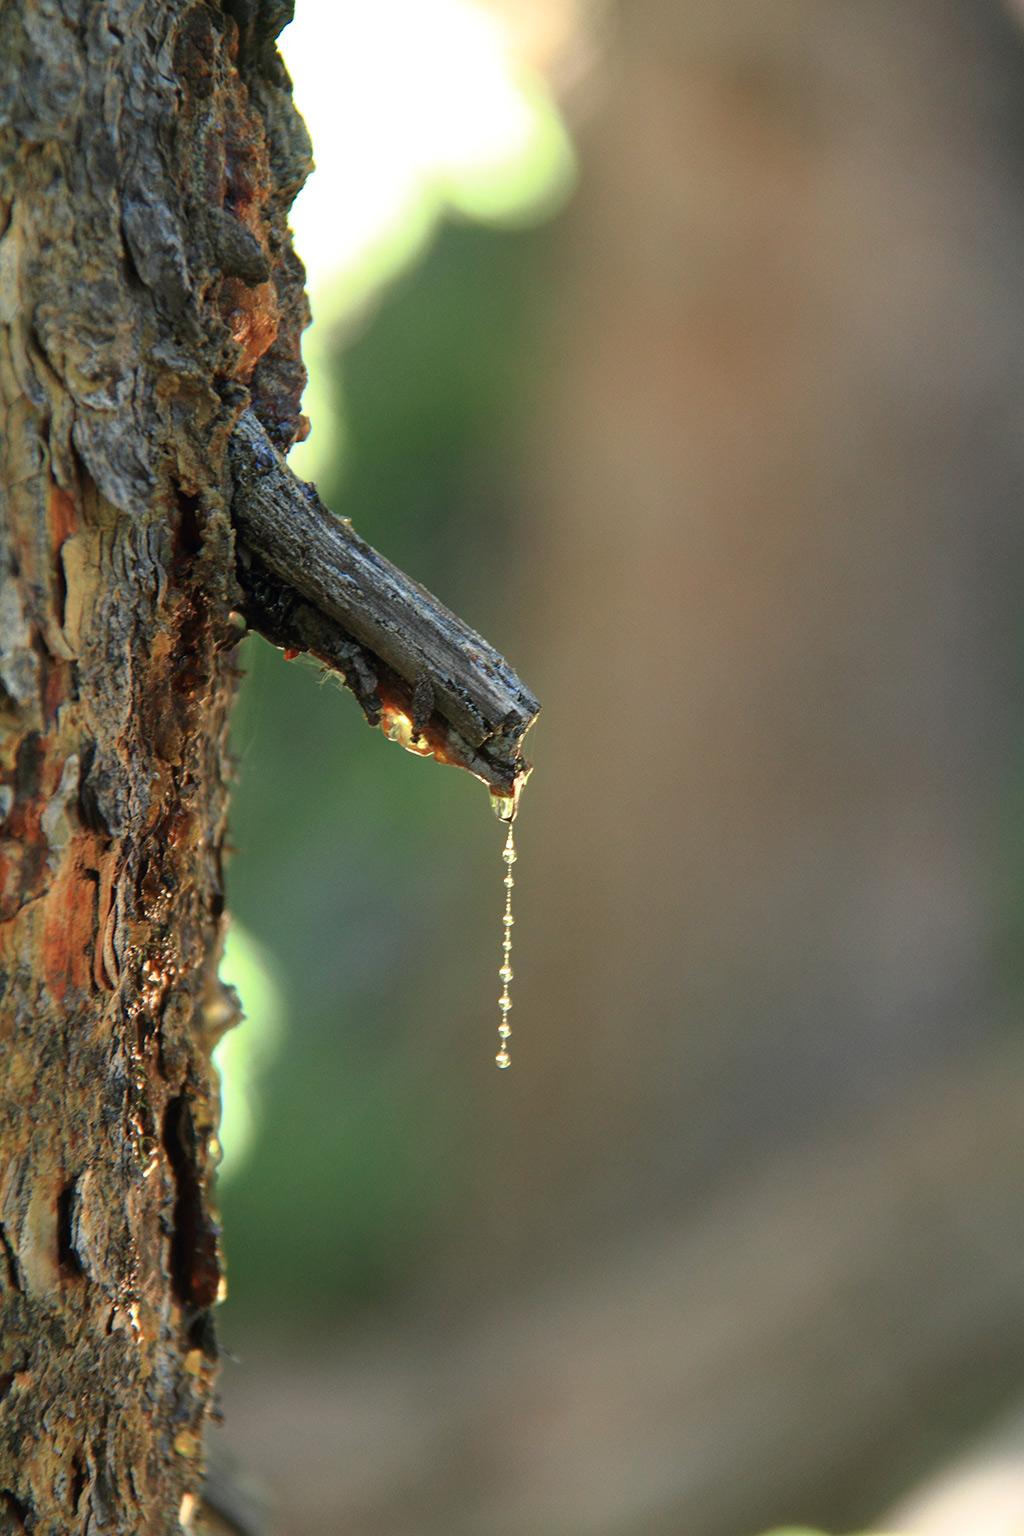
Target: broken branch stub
{"x":312,"y":584}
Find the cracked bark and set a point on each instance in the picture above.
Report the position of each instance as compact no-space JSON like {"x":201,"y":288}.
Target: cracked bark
{"x":148,"y":291}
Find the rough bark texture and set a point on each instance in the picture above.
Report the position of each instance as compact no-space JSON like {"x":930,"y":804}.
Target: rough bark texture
{"x":148,"y":290}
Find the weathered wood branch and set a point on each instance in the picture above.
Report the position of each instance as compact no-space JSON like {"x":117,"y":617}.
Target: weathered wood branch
{"x":313,"y":584}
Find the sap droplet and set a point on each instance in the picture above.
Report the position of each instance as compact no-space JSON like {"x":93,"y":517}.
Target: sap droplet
{"x":505,"y":973}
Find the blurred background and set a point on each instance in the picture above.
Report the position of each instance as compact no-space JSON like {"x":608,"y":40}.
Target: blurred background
{"x":680,"y":349}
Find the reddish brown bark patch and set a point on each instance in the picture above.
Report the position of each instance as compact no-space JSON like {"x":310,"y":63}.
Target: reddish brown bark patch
{"x":69,"y":927}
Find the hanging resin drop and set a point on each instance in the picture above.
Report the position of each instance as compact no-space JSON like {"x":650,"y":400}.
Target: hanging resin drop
{"x":505,"y":973}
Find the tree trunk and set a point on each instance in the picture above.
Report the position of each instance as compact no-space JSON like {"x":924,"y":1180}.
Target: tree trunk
{"x":148,"y":292}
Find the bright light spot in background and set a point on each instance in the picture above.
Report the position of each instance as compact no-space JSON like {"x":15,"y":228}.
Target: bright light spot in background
{"x":244,"y":1053}
{"x":414,"y":107}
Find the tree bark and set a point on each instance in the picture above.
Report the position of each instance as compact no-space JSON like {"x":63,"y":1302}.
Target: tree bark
{"x":148,"y":293}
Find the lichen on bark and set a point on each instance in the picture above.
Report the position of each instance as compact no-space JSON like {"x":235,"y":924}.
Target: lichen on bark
{"x":148,"y":292}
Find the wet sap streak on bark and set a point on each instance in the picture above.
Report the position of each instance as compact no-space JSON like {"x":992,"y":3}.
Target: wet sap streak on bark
{"x":148,"y":292}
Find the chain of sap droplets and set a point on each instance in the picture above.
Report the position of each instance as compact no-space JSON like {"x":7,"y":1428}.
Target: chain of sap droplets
{"x":505,"y":974}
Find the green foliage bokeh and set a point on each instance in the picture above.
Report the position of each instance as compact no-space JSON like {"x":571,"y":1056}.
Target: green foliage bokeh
{"x":351,"y":855}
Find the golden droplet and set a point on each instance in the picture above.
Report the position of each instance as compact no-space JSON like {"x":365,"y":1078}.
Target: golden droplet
{"x":397,"y":726}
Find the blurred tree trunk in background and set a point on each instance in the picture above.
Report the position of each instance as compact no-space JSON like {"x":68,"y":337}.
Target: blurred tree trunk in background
{"x":148,"y":155}
{"x":770,"y":858}
{"x":776,"y":806}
